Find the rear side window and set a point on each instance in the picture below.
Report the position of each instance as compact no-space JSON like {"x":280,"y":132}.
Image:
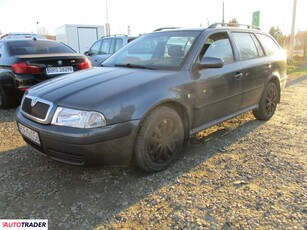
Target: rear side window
{"x":246,"y":45}
{"x":259,"y":48}
{"x":119,"y":44}
{"x":37,"y":47}
{"x":269,"y":44}
{"x":106,"y":47}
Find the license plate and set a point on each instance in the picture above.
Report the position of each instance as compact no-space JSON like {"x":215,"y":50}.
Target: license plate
{"x":29,"y":134}
{"x":59,"y":70}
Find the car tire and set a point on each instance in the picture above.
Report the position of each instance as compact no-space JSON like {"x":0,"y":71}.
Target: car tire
{"x":4,"y":99}
{"x":159,"y":140}
{"x":268,"y":103}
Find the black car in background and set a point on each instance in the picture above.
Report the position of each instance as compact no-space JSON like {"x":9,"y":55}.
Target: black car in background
{"x":28,"y":61}
{"x":151,"y":95}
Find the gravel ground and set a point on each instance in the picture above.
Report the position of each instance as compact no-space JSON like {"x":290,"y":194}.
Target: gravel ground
{"x":241,"y":174}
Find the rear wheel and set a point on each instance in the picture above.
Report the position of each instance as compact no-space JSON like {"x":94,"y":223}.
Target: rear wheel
{"x":4,"y":100}
{"x":159,"y":140}
{"x":268,"y":103}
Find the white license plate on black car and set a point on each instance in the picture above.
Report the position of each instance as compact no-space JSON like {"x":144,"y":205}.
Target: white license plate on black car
{"x":59,"y":70}
{"x":29,"y":134}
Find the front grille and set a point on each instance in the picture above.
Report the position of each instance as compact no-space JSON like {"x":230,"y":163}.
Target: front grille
{"x":37,"y":111}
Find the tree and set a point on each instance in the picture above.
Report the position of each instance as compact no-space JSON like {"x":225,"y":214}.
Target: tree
{"x":233,"y":22}
{"x":42,"y":31}
{"x":275,"y":32}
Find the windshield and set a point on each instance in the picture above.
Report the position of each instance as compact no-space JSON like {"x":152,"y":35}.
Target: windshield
{"x":26,"y":47}
{"x":163,"y":50}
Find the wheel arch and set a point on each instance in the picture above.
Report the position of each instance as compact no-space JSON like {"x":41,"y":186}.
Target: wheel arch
{"x":175,"y":105}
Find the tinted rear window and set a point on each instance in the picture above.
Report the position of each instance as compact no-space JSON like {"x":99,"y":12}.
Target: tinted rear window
{"x":37,"y":47}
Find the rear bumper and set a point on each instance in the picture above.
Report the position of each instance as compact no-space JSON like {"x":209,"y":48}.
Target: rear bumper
{"x":110,"y":145}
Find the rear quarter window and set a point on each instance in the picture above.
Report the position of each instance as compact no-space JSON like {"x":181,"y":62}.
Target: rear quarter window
{"x":271,"y":47}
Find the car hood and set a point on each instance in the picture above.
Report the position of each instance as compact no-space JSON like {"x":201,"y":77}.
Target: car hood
{"x":89,"y":89}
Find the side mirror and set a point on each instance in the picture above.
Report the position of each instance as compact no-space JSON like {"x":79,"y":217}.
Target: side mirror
{"x":87,"y":53}
{"x":211,"y":62}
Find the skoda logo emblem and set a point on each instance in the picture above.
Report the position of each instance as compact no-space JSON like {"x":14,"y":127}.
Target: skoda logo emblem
{"x":34,"y":101}
{"x":60,"y":62}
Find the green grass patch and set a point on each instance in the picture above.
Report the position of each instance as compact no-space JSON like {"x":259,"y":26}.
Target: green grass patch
{"x":295,"y":71}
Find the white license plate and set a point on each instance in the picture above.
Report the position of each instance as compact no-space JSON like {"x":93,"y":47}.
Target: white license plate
{"x":29,"y":134}
{"x":59,"y":70}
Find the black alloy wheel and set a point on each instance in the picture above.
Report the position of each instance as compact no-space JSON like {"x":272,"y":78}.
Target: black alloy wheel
{"x":268,"y":103}
{"x":159,"y":140}
{"x":271,"y":101}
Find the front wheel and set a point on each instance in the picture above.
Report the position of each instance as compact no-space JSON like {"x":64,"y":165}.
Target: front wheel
{"x":268,"y":103}
{"x":159,"y":140}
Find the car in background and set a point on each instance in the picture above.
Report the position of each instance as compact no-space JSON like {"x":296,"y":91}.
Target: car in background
{"x":149,"y":97}
{"x":106,"y":46}
{"x":22,"y":35}
{"x":28,"y":61}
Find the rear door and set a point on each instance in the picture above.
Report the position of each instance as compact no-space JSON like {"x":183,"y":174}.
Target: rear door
{"x":218,"y":91}
{"x":256,"y":67}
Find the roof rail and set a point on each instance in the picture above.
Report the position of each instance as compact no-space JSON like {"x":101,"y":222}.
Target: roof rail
{"x":166,"y":28}
{"x":218,"y":24}
{"x":114,"y":35}
{"x":19,"y":35}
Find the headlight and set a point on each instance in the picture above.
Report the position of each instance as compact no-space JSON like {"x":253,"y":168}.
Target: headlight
{"x":78,"y":118}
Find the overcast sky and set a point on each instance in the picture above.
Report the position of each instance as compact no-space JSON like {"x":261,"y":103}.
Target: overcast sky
{"x":144,"y":16}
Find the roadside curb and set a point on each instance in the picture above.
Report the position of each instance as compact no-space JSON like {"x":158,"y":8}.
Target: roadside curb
{"x":295,"y":81}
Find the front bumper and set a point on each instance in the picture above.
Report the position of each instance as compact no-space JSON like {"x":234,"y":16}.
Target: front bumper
{"x":110,"y":145}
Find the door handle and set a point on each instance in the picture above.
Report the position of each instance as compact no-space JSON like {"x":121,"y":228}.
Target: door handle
{"x":238,"y":76}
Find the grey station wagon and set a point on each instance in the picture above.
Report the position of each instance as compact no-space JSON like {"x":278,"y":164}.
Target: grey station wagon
{"x":150,"y":96}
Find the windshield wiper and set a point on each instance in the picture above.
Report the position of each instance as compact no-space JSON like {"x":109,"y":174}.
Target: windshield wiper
{"x":134,"y":66}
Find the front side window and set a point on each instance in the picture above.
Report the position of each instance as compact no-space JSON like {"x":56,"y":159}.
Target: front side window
{"x":269,"y":44}
{"x":218,"y":46}
{"x":95,"y":48}
{"x":246,"y":45}
{"x":163,"y":50}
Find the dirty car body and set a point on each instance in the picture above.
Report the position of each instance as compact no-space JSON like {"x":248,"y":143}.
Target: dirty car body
{"x":150,"y":96}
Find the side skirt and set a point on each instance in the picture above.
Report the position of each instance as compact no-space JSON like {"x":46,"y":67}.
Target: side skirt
{"x":220,"y":120}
